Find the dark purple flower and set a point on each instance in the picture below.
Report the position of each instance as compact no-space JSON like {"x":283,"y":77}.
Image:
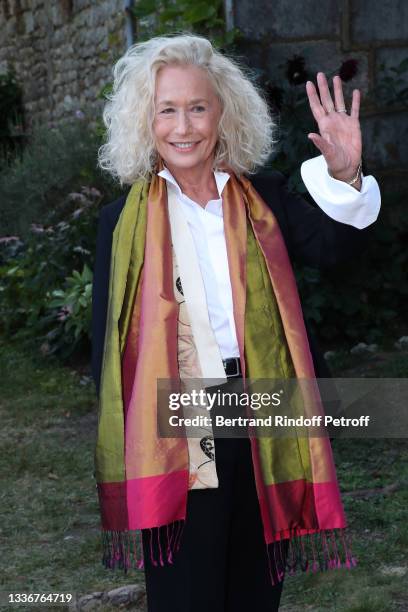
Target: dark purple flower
{"x":348,"y":70}
{"x":295,"y":70}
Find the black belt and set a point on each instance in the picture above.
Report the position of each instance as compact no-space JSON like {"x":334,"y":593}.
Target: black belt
{"x":232,"y":367}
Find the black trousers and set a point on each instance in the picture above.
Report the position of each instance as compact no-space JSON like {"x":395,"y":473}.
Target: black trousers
{"x":222,"y":563}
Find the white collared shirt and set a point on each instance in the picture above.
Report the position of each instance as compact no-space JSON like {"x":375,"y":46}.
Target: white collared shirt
{"x":337,"y":199}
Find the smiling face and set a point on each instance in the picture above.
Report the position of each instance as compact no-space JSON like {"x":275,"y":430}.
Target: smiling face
{"x":185,"y":125}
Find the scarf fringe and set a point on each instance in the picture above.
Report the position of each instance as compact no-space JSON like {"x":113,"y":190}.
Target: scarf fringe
{"x":125,"y":550}
{"x":312,"y":552}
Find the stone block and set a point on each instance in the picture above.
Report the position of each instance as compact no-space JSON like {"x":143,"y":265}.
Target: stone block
{"x":114,"y":6}
{"x":38,"y":71}
{"x":58,"y":37}
{"x":100,"y":73}
{"x":43,"y":102}
{"x":11,"y":26}
{"x":98,"y":34}
{"x":103,"y":44}
{"x":38,"y":47}
{"x":41,"y":20}
{"x":87,"y":54}
{"x":35,"y":5}
{"x":81,"y":4}
{"x":28,"y":22}
{"x":282,"y":19}
{"x":106,"y":9}
{"x":80,"y":18}
{"x":56,"y":15}
{"x":386,"y":140}
{"x":389,"y":57}
{"x":87,"y":82}
{"x":377,"y":20}
{"x":92,"y":16}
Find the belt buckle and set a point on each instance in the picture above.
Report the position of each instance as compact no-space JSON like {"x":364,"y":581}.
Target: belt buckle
{"x":236,"y":374}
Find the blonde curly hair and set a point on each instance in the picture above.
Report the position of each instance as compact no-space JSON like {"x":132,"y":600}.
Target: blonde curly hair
{"x":245,"y":131}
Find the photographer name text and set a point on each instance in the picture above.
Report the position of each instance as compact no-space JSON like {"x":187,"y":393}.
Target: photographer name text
{"x":269,"y":421}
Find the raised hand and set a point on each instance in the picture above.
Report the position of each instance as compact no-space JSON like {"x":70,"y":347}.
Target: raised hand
{"x":339,"y":140}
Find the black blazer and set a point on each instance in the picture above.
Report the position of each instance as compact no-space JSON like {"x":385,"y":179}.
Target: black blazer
{"x":311,"y":237}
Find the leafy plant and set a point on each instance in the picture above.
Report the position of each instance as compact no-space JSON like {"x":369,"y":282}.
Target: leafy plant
{"x":392,"y":87}
{"x":69,"y":314}
{"x":57,"y":160}
{"x":362,"y":300}
{"x":32,"y":269}
{"x":205,"y":17}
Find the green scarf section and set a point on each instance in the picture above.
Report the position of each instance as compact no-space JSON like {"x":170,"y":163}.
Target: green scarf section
{"x":267,"y":357}
{"x":128,"y":243}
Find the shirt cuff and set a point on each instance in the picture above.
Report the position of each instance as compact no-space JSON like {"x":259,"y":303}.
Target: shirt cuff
{"x":337,"y":199}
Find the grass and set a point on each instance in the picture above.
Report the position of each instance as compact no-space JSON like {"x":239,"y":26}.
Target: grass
{"x":49,"y":514}
{"x":378,"y":518}
{"x":378,"y":525}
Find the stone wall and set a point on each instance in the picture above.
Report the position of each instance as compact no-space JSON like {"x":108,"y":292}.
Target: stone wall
{"x":325,"y":33}
{"x":61,"y":50}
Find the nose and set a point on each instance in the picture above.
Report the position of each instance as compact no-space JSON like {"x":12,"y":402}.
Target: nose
{"x":183,"y":122}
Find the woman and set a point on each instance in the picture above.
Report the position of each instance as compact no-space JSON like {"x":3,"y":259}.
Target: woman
{"x":193,"y":281}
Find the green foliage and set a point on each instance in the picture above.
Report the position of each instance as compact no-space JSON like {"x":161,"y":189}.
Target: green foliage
{"x":70,"y":312}
{"x":363,"y":300}
{"x":31,"y":271}
{"x":50,"y":207}
{"x":204,"y":17}
{"x":392,"y":87}
{"x":57,"y":160}
{"x":11,"y":118}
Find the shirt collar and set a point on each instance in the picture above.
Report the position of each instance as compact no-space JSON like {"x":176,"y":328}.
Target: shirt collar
{"x":213,"y":206}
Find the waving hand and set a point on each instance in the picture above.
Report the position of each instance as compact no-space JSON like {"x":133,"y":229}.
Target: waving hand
{"x":339,"y":139}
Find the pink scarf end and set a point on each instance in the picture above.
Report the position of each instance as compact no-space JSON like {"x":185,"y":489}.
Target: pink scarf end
{"x":126,"y":549}
{"x":313,"y":552}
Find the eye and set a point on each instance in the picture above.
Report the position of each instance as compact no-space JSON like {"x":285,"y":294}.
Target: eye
{"x":198,"y":108}
{"x":167,"y":111}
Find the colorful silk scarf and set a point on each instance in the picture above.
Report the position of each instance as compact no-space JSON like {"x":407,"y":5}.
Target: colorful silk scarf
{"x":143,"y":479}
